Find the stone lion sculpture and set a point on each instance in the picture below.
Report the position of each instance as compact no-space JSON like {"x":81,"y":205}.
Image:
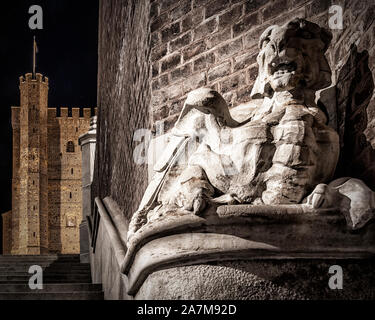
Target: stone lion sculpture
{"x":275,"y":150}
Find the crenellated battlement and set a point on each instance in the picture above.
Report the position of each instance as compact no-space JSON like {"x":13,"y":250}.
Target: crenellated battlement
{"x":29,"y":78}
{"x":64,"y":113}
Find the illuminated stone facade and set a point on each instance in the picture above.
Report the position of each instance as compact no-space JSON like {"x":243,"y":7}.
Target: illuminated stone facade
{"x":46,"y":185}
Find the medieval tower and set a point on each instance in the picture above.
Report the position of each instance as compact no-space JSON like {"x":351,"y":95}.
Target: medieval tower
{"x":46,"y":181}
{"x":30,"y":169}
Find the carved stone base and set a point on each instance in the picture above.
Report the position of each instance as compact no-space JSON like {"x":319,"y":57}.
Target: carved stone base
{"x":216,"y":267}
{"x":261,"y":280}
{"x":250,"y":252}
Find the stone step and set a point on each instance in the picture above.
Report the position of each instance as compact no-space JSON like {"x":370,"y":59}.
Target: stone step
{"x":45,"y":268}
{"x":64,"y":278}
{"x":45,"y":272}
{"x":34,"y":258}
{"x":50,"y":260}
{"x":48,"y":278}
{"x":64,"y":261}
{"x":83,"y":295}
{"x":55,"y":281}
{"x":15,"y":258}
{"x":62,"y":287}
{"x":30,"y":256}
{"x":53,"y":255}
{"x":66,"y":266}
{"x":69,"y":267}
{"x":49,"y":273}
{"x":43,"y":264}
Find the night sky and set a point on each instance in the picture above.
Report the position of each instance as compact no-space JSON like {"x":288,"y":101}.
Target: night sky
{"x":67,"y":56}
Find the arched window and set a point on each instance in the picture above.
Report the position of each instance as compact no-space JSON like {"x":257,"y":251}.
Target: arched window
{"x":70,"y":147}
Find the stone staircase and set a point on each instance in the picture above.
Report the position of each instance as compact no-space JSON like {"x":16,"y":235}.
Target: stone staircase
{"x":64,"y":278}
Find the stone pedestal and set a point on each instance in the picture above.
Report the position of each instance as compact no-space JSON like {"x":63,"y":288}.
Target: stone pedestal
{"x":88,"y":144}
{"x":263,"y":279}
{"x":251,"y":252}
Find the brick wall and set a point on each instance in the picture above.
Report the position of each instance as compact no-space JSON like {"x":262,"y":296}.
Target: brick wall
{"x":208,"y":43}
{"x":123,"y":100}
{"x":214,"y":43}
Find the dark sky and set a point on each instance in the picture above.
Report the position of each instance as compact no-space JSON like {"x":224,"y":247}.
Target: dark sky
{"x":67,"y":55}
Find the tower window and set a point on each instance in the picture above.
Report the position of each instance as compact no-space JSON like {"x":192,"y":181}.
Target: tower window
{"x":70,"y":147}
{"x":70,"y":195}
{"x":72,"y":171}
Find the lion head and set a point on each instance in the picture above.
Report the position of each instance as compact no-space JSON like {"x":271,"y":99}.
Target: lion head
{"x":292,"y":56}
